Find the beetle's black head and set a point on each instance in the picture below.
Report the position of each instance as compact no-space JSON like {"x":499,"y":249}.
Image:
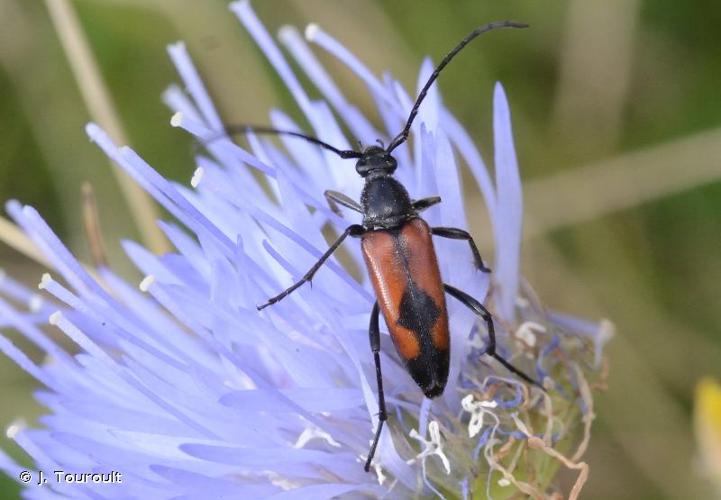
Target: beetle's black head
{"x":375,"y":160}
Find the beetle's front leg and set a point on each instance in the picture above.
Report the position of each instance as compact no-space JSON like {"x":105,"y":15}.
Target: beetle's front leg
{"x":335,"y":198}
{"x":354,"y":230}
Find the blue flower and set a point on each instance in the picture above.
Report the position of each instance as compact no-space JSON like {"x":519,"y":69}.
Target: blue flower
{"x":188,"y":391}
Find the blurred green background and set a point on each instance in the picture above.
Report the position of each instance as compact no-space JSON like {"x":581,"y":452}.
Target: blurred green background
{"x":617,"y":118}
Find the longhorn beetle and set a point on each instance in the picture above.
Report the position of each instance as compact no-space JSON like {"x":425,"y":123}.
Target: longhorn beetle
{"x":401,"y":260}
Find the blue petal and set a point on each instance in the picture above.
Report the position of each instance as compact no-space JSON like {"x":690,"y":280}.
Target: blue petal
{"x":509,"y":208}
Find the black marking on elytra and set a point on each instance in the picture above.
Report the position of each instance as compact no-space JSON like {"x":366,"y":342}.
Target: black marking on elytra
{"x":418,"y":311}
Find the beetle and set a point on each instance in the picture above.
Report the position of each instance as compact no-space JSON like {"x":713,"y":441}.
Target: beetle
{"x":398,"y":251}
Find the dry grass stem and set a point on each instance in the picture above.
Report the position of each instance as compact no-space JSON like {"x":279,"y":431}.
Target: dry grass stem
{"x":99,"y":103}
{"x":91,"y":221}
{"x":627,"y":181}
{"x":588,"y":417}
{"x":581,"y":467}
{"x":595,"y":67}
{"x":15,"y":238}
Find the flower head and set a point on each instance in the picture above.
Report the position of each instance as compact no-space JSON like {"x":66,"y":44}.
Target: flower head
{"x":189,"y":391}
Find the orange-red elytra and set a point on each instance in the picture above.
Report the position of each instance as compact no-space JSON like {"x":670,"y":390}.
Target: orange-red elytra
{"x":398,"y":250}
{"x":403,"y":268}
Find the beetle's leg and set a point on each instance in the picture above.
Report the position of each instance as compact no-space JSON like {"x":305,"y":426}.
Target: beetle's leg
{"x":481,"y":311}
{"x":335,"y":198}
{"x":460,"y":234}
{"x":375,"y":338}
{"x":423,"y":203}
{"x":354,"y":230}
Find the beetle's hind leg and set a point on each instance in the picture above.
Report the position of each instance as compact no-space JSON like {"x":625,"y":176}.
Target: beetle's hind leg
{"x":461,"y":234}
{"x":375,"y":339}
{"x":481,"y":311}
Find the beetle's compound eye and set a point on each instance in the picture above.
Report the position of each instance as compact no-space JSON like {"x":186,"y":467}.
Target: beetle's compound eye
{"x":375,"y":159}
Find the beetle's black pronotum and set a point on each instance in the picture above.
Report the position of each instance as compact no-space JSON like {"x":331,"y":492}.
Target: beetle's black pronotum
{"x":398,"y":250}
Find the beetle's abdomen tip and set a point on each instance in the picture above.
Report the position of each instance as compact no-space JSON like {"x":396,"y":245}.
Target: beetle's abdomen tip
{"x":430,"y":372}
{"x":434,"y":390}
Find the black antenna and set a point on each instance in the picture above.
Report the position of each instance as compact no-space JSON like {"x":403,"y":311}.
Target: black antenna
{"x":241,"y":129}
{"x":401,"y":138}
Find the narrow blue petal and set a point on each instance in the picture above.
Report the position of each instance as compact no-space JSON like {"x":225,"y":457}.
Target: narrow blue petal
{"x":256,"y":29}
{"x":320,"y":491}
{"x":316,"y":35}
{"x":314,"y":400}
{"x":509,"y":207}
{"x":30,"y":331}
{"x":429,"y":111}
{"x":8,"y":465}
{"x":179,"y":102}
{"x":359,"y":125}
{"x":194,"y":84}
{"x":161,"y":189}
{"x":53,"y":248}
{"x":24,"y":362}
{"x":259,"y":457}
{"x":205,"y":486}
{"x":461,"y":140}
